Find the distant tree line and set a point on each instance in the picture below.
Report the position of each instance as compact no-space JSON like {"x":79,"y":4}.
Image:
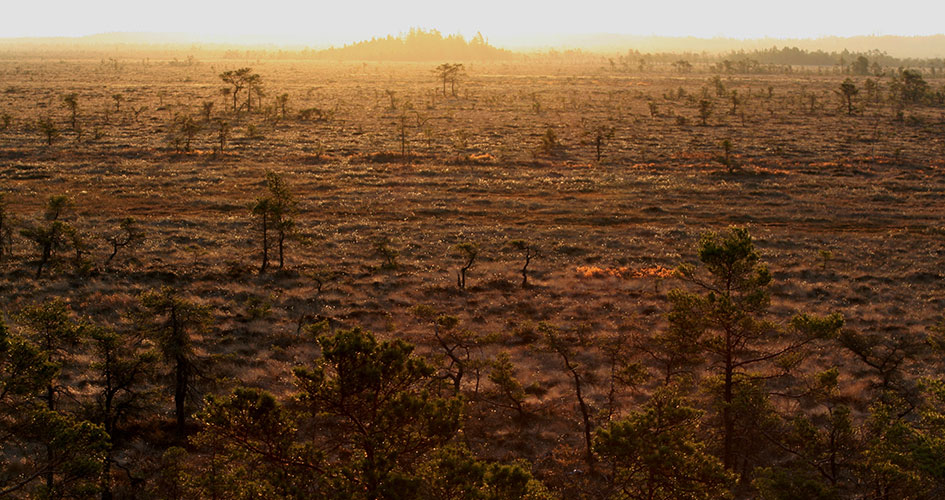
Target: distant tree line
{"x":417,"y":45}
{"x":776,"y":60}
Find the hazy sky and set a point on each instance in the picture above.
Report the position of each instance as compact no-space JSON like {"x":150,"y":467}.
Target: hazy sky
{"x":340,"y":21}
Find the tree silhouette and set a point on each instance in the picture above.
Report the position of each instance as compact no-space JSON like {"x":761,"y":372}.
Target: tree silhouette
{"x":128,"y":234}
{"x":239,"y":79}
{"x":848,"y":90}
{"x":529,"y":252}
{"x":449,"y":73}
{"x":275,"y":212}
{"x":71,"y":101}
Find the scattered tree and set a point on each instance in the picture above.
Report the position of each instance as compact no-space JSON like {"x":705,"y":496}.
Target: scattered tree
{"x":223,"y":134}
{"x":599,"y":136}
{"x":848,"y":90}
{"x":121,"y":373}
{"x":275,"y":212}
{"x":530,"y":252}
{"x":506,"y":386}
{"x":53,"y":235}
{"x":727,"y":159}
{"x":380,"y":398}
{"x":282,"y":100}
{"x":71,"y":101}
{"x":449,"y":73}
{"x":860,"y":66}
{"x":127,"y":235}
{"x":382,"y":247}
{"x":559,"y":346}
{"x":239,"y":79}
{"x":48,"y":128}
{"x":468,"y":251}
{"x":705,"y":111}
{"x":207,"y":111}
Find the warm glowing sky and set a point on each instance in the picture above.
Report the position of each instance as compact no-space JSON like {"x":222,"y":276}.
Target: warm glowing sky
{"x":338,"y":21}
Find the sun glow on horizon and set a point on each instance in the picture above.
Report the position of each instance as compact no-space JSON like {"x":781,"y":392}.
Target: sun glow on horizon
{"x":501,"y":21}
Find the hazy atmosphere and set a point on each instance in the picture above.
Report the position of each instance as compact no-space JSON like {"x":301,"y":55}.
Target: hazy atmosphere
{"x":485,"y":250}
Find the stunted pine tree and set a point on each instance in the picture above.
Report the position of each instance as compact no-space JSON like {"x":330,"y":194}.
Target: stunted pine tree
{"x":284,"y":207}
{"x":449,"y":73}
{"x":468,"y":252}
{"x":55,"y":335}
{"x":71,"y":101}
{"x":53,"y":234}
{"x":275,"y":212}
{"x":126,"y":235}
{"x":529,"y":252}
{"x":238,"y":79}
{"x":366,"y":423}
{"x":848,"y":91}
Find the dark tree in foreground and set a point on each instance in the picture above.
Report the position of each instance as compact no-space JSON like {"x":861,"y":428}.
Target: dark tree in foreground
{"x":367,"y":417}
{"x":53,"y":331}
{"x":560,"y":346}
{"x":172,"y":322}
{"x":655,"y":453}
{"x":120,"y":372}
{"x":55,"y":335}
{"x":728,"y":322}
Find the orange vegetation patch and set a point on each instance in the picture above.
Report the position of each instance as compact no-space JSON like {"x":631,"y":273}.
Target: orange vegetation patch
{"x":481,"y":158}
{"x":758,"y":169}
{"x":623,"y":272}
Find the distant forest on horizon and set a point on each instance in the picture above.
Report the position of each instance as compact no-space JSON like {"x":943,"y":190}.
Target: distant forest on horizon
{"x":431,"y":45}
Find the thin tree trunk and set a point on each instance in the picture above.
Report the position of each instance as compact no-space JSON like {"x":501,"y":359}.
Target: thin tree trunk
{"x":265,"y":243}
{"x":281,"y":247}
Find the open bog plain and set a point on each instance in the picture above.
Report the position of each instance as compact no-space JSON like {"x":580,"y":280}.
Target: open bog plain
{"x":401,"y":177}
